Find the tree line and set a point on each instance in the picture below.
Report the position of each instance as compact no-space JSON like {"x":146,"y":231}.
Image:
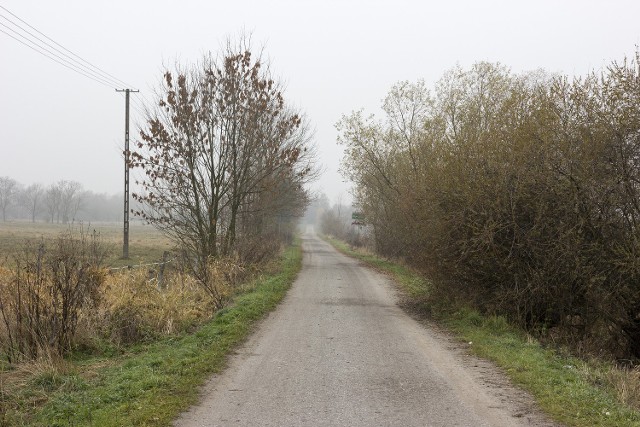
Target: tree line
{"x":61,"y":202}
{"x":518,"y":194}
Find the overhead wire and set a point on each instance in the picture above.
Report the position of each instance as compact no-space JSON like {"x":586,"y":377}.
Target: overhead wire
{"x":67,"y":58}
{"x":50,"y":53}
{"x":45,"y":49}
{"x":138,"y":116}
{"x":138,"y":110}
{"x":53,"y":58}
{"x":89,"y":67}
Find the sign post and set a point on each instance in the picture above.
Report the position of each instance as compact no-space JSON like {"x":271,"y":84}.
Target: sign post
{"x":358,"y":218}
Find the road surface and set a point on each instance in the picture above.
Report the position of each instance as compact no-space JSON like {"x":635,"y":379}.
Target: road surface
{"x":340,"y":352}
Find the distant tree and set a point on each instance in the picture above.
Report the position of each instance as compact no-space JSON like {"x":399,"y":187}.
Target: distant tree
{"x":223,"y":155}
{"x":63,"y":200}
{"x":52,"y":200}
{"x":8,"y":193}
{"x":71,"y":199}
{"x":30,"y":198}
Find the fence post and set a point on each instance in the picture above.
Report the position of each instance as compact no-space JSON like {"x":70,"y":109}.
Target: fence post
{"x":165,"y":255}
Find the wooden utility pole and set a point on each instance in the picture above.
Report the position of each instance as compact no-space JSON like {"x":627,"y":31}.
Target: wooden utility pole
{"x":125,"y":245}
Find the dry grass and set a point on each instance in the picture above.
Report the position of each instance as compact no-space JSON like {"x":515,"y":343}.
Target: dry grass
{"x":626,"y":382}
{"x":133,"y":309}
{"x":130,"y":306}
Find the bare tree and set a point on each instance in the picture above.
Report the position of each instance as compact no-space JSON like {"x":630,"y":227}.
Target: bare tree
{"x":71,"y":199}
{"x":221,"y":150}
{"x":31,"y":197}
{"x":63,"y":200}
{"x":52,"y":200}
{"x":8,"y":192}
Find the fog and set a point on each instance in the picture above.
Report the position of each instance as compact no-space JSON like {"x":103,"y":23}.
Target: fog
{"x":334,"y":56}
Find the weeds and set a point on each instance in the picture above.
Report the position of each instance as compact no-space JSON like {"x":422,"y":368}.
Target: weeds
{"x":626,"y":382}
{"x":133,"y":310}
{"x":42,"y":298}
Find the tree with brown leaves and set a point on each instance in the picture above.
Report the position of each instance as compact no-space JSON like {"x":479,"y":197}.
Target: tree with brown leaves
{"x":223,"y":155}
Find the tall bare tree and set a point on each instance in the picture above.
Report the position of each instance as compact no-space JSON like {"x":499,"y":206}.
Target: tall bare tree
{"x":71,"y":199}
{"x":221,"y":149}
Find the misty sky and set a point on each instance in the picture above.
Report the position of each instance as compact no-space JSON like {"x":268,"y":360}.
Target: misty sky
{"x":334,"y":56}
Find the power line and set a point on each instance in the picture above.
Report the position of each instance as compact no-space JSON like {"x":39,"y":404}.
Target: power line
{"x":55,"y":60}
{"x":65,"y":58}
{"x":136,"y":104}
{"x":142,"y":105}
{"x":146,"y":99}
{"x":104,"y":74}
{"x":44,"y":48}
{"x":84,"y":68}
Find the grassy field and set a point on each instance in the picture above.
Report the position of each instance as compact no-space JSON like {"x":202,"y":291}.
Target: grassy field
{"x":146,"y":244}
{"x":573,"y":391}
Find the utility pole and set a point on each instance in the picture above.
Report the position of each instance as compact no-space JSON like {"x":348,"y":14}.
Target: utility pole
{"x":125,"y":246}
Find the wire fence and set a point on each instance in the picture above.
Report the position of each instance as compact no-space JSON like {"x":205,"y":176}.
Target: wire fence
{"x":131,"y":267}
{"x":159,"y":274}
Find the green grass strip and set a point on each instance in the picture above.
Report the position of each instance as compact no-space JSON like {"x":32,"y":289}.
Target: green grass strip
{"x":569,"y":390}
{"x":151,"y":387}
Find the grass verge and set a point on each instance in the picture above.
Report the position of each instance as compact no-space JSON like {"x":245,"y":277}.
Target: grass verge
{"x":153,"y":383}
{"x":570,"y":390}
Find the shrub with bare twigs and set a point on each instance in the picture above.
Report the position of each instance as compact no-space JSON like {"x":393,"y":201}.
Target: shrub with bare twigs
{"x":41,"y":299}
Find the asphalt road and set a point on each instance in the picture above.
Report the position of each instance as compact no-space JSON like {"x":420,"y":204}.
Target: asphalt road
{"x":340,"y":352}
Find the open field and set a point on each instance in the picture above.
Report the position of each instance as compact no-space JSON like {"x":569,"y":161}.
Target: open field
{"x":146,"y":244}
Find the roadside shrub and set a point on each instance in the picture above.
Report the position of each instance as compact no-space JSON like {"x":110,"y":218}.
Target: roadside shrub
{"x":516,"y":194}
{"x":254,"y":251}
{"x":42,"y":298}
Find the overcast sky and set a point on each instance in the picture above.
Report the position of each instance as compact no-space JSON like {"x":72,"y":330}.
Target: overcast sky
{"x":334,"y":56}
